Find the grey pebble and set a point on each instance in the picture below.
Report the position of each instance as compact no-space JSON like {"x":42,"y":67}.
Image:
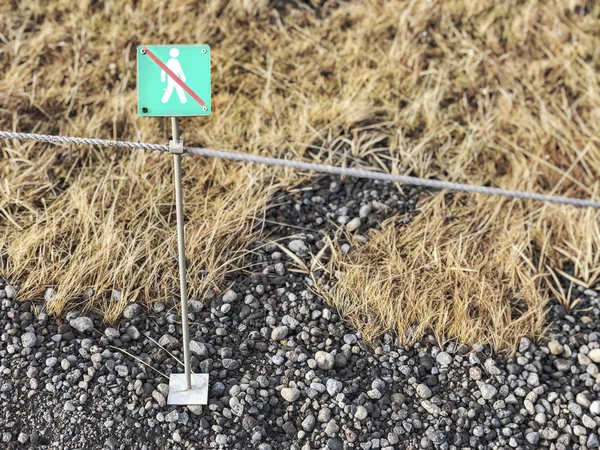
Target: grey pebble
{"x":324,"y":360}
{"x":82,"y":324}
{"x":28,"y":340}
{"x":443,"y":359}
{"x":297,"y":246}
{"x":350,"y":339}
{"x":279,"y":333}
{"x":112,"y":333}
{"x":423,"y":391}
{"x":532,"y":437}
{"x":487,"y":391}
{"x":290,"y":394}
{"x":364,"y":211}
{"x":11,"y":291}
{"x":308,"y":424}
{"x":198,"y":348}
{"x":361,"y":413}
{"x":132,"y":311}
{"x":230,"y":296}
{"x":334,"y":387}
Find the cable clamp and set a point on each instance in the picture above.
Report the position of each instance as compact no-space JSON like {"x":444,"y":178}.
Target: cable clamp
{"x":176,"y":147}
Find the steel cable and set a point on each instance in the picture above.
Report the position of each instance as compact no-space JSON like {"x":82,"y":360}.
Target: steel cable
{"x":301,"y":165}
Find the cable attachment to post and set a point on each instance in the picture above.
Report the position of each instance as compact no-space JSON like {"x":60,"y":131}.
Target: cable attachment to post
{"x":176,"y":147}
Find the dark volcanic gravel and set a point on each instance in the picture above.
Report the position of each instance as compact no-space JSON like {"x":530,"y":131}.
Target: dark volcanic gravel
{"x":285,"y":371}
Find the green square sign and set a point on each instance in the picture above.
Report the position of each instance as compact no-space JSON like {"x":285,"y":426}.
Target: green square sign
{"x":173,"y":80}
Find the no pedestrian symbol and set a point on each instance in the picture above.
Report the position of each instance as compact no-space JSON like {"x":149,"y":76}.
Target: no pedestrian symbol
{"x":173,"y":80}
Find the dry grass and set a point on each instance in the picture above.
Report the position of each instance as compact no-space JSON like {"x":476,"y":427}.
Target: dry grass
{"x":114,"y":229}
{"x":512,"y":101}
{"x":499,"y":93}
{"x":466,"y":270}
{"x":458,"y":272}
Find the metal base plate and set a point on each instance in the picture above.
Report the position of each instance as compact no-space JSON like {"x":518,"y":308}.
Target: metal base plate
{"x":179,"y":395}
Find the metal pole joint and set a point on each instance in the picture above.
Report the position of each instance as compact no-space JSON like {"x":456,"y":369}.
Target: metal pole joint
{"x":176,"y":147}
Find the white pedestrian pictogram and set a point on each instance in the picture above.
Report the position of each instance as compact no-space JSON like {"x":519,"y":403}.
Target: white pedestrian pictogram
{"x":174,"y":65}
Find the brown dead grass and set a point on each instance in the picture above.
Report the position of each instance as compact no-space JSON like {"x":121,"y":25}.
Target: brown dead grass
{"x":114,"y":229}
{"x":466,"y":270}
{"x":512,"y":101}
{"x":458,"y":272}
{"x":499,"y":93}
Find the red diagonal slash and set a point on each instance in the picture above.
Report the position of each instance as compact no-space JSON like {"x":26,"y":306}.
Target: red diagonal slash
{"x":175,"y":78}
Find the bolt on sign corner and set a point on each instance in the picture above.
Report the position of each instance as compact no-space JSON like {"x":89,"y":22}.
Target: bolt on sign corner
{"x":173,"y":80}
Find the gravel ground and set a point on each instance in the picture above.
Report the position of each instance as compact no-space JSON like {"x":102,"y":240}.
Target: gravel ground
{"x":285,"y":371}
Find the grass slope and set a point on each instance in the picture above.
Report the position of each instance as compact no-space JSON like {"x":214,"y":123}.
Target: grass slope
{"x":498,"y":93}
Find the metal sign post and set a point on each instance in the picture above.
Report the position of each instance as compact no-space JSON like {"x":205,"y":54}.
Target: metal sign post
{"x":185,"y":74}
{"x":181,"y":251}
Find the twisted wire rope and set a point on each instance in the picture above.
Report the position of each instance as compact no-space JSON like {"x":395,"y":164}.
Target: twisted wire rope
{"x":301,"y":165}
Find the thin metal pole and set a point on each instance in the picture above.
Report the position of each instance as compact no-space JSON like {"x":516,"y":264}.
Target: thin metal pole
{"x":182,"y":263}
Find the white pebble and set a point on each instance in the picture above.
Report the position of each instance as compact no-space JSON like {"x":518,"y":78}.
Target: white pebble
{"x":353,"y":225}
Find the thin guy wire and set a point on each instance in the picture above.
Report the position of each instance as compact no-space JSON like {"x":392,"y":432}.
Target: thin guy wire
{"x":345,"y":171}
